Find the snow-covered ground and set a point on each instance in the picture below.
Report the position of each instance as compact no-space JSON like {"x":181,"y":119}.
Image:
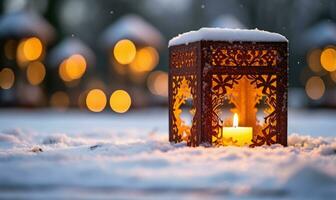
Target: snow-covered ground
{"x":51,"y":155}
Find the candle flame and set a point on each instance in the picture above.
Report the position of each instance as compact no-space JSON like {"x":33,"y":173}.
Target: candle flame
{"x":235,"y":120}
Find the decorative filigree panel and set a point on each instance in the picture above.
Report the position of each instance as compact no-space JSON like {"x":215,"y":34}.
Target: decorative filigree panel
{"x":183,"y":88}
{"x":237,"y":55}
{"x":185,"y":57}
{"x":242,"y":77}
{"x":244,"y":92}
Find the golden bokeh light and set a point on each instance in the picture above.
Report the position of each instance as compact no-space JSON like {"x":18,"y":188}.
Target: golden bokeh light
{"x":9,"y":49}
{"x":32,"y":48}
{"x":20,"y":57}
{"x":63,"y":72}
{"x":120,"y":101}
{"x":35,"y":73}
{"x":60,"y":100}
{"x":157,"y":83}
{"x":7,"y":78}
{"x":315,"y":87}
{"x":328,"y":59}
{"x":75,"y":66}
{"x":96,"y":100}
{"x":313,"y":60}
{"x":124,"y":51}
{"x":145,"y":60}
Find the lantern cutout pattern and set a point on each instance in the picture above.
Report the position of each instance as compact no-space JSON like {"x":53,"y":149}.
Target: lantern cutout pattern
{"x":226,"y":78}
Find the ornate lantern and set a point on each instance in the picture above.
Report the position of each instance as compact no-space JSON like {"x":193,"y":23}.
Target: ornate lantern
{"x":233,"y":86}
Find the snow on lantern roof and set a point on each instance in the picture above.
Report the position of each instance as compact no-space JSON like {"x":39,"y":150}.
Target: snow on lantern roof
{"x":26,"y":24}
{"x":227,"y":34}
{"x":66,"y":48}
{"x":135,"y":28}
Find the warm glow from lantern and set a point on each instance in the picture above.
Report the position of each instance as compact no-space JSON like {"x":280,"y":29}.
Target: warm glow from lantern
{"x":145,"y":60}
{"x":315,"y":88}
{"x":59,"y":100}
{"x":35,"y":73}
{"x":96,"y":100}
{"x":120,"y":101}
{"x":72,"y":68}
{"x":124,"y":51}
{"x":236,"y":135}
{"x":328,"y":59}
{"x":235,"y":120}
{"x":157,"y":83}
{"x":32,"y":48}
{"x":20,"y":57}
{"x":313,"y":60}
{"x":7,"y":78}
{"x":63,"y":72}
{"x":75,"y":66}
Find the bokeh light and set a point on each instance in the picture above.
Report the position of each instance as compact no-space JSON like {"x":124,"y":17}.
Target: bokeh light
{"x":10,"y":49}
{"x":32,"y":48}
{"x":35,"y":73}
{"x":315,"y":88}
{"x":157,"y":83}
{"x":7,"y":78}
{"x":96,"y":100}
{"x":59,"y":100}
{"x":328,"y":59}
{"x":145,"y":60}
{"x":75,"y":66}
{"x":124,"y":51}
{"x":20,"y":57}
{"x":313,"y":60}
{"x":120,"y":101}
{"x":63,"y":72}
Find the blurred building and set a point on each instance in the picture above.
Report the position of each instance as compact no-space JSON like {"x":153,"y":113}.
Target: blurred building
{"x":113,"y":55}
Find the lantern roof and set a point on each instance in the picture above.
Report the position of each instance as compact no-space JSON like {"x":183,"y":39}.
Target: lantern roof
{"x":321,"y":34}
{"x":135,"y":28}
{"x":227,"y":34}
{"x":68,"y":47}
{"x":26,"y":24}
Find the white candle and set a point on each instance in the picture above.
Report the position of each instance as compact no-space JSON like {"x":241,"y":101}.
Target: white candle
{"x":241,"y":136}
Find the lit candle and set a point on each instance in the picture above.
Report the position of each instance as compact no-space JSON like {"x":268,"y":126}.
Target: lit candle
{"x":239,"y":135}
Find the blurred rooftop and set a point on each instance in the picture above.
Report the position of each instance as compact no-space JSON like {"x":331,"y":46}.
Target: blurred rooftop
{"x":61,"y":54}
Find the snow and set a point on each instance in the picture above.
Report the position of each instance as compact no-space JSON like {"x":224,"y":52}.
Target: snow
{"x":135,"y":28}
{"x":227,"y":34}
{"x":74,"y":155}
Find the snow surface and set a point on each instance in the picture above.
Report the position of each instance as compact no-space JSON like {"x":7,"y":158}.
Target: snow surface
{"x":73,"y":155}
{"x":227,"y":34}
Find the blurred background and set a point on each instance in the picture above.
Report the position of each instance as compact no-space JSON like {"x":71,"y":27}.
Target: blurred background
{"x":112,"y":56}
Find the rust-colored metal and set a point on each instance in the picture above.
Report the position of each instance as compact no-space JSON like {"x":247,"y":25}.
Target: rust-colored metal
{"x":209,"y":73}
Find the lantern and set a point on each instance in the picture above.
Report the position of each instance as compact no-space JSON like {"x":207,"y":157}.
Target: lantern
{"x":232,"y":84}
